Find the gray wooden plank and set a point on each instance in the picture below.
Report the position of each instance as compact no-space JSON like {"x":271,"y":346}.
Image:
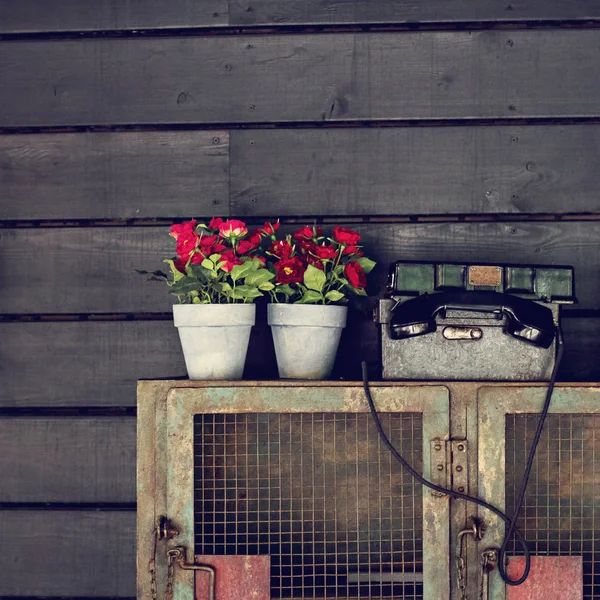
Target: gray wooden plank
{"x":67,"y":459}
{"x":438,"y":170}
{"x":292,"y":12}
{"x":73,"y":15}
{"x":425,"y":75}
{"x":114,"y":175}
{"x":84,"y":363}
{"x":63,"y":270}
{"x":67,"y":554}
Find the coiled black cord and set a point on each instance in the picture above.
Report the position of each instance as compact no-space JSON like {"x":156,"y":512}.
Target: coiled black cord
{"x":511,"y":522}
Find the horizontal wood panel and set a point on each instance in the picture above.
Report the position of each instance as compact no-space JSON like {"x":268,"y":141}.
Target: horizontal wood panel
{"x":440,"y":170}
{"x":67,"y":270}
{"x":114,"y":175}
{"x":84,"y":364}
{"x":426,"y":75}
{"x":67,"y":554}
{"x":275,"y":12}
{"x":67,"y":460}
{"x":74,"y":15}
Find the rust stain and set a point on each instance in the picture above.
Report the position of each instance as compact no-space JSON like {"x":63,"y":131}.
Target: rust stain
{"x":236,"y":577}
{"x":551,"y":578}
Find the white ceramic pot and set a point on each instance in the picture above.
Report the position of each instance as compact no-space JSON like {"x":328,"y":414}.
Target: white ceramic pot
{"x":214,"y":338}
{"x":306,"y":338}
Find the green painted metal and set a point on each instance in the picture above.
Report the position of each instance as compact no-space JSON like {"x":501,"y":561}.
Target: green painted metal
{"x":184,"y":403}
{"x":494,"y":403}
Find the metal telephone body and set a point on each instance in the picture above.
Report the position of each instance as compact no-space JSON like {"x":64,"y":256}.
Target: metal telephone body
{"x":457,"y":321}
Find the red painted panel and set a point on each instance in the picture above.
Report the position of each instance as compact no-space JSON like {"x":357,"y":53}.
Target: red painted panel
{"x":550,"y":578}
{"x":239,"y":577}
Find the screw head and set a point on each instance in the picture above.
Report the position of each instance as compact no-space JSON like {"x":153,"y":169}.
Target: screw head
{"x":440,"y":467}
{"x":459,"y":468}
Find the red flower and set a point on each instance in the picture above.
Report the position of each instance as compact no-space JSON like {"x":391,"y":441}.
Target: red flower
{"x":186,"y":244}
{"x":179,"y":265}
{"x":290,"y":270}
{"x":197,"y":258}
{"x":262,"y":259}
{"x":246,"y":246}
{"x":355,"y":275}
{"x":230,"y":260}
{"x":326,"y":252}
{"x":233,"y":229}
{"x":206,"y":241}
{"x":184,"y":229}
{"x":352,"y":250}
{"x":215,"y":223}
{"x":307,"y":233}
{"x":316,"y":262}
{"x":217,"y":248}
{"x":306,"y":246}
{"x":345,"y":236}
{"x":281,"y":249}
{"x":269,"y":228}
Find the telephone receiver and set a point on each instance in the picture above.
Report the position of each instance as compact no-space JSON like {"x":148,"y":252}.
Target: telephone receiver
{"x":526,"y":320}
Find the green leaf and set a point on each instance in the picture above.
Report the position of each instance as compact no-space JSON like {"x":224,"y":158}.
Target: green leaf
{"x":310,"y":297}
{"x":177,"y":274}
{"x":259,"y":277}
{"x":242,"y":270}
{"x":243,"y":292}
{"x":215,"y":258}
{"x":208,"y":264}
{"x":366,"y":263}
{"x":201,"y":273}
{"x":222,"y":287}
{"x":314,"y":279}
{"x":266,"y":287}
{"x":359,"y":291}
{"x":338,"y":270}
{"x":184,"y":286}
{"x":334,"y":296}
{"x":285,"y":289}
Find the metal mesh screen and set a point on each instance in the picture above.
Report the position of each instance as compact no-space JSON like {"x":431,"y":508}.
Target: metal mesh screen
{"x":317,"y":492}
{"x":561,"y":513}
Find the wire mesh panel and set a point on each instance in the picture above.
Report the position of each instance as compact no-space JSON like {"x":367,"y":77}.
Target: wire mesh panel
{"x":561,"y":512}
{"x":320,"y":494}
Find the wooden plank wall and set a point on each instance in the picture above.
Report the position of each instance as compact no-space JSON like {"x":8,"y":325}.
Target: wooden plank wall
{"x":442,"y":130}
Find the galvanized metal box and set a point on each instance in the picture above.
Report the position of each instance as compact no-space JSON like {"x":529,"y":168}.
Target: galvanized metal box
{"x":478,"y":328}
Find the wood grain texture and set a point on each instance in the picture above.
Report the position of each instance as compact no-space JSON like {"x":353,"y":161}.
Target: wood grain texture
{"x":426,"y":75}
{"x":114,"y":175}
{"x":62,"y":270}
{"x":109,"y":15}
{"x":275,"y":12}
{"x":84,"y":364}
{"x":67,"y":460}
{"x":67,"y":554}
{"x":445,"y":170}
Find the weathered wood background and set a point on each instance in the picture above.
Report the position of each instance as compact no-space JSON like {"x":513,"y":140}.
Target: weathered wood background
{"x":442,"y":129}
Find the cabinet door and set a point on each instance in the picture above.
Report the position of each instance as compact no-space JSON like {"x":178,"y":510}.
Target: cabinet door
{"x":298,"y":474}
{"x":561,"y":512}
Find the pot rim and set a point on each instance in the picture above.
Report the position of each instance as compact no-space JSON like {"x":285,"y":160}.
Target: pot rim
{"x":306,"y":315}
{"x":214,"y":315}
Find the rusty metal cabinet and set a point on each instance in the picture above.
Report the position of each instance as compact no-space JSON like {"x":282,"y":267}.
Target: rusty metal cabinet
{"x":295,"y":474}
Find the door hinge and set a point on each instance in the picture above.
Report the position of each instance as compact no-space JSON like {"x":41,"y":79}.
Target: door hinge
{"x":449,"y":466}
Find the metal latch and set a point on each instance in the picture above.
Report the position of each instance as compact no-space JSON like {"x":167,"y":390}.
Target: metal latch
{"x":449,"y":465}
{"x":177,"y":555}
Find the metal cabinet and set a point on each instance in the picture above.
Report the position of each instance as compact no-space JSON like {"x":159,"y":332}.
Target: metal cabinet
{"x":294,"y":476}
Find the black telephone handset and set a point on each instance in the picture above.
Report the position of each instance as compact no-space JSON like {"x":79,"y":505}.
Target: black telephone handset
{"x":527,"y":320}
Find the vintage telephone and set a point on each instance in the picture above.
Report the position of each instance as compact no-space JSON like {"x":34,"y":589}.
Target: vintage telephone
{"x":525,"y":320}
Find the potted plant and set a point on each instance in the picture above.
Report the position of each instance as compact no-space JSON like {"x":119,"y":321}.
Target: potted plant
{"x":215,"y":276}
{"x":315,"y":277}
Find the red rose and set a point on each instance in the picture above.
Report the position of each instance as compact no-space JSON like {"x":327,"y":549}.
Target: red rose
{"x":246,"y":246}
{"x":306,"y":246}
{"x":316,"y":262}
{"x":281,"y":249}
{"x":186,"y":244}
{"x":197,"y":258}
{"x":217,"y":248}
{"x":180,"y":265}
{"x":262,"y":259}
{"x":233,"y":229}
{"x":269,"y":228}
{"x":184,"y":229}
{"x":230,"y":260}
{"x":355,"y":275}
{"x":326,"y":252}
{"x":307,"y":233}
{"x":215,"y":223}
{"x":345,"y":236}
{"x":352,"y":250}
{"x":290,"y":270}
{"x":207,"y":241}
